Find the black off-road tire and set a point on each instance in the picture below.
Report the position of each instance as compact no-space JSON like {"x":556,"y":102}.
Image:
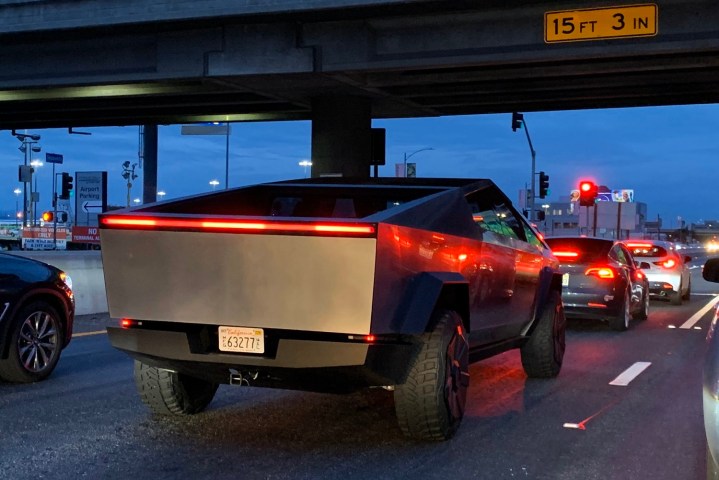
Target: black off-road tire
{"x":620,"y":322}
{"x":430,"y":404}
{"x":171,"y":393}
{"x":643,"y":314}
{"x":543,"y":353}
{"x":35,"y":343}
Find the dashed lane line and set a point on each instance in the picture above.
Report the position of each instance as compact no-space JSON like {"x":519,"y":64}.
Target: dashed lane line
{"x":630,"y":374}
{"x":87,"y":334}
{"x":697,"y":316}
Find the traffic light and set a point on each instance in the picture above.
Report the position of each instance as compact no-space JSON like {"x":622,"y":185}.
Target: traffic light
{"x":48,"y":216}
{"x":517,"y":119}
{"x":543,"y":184}
{"x":66,"y":186}
{"x":587,"y":193}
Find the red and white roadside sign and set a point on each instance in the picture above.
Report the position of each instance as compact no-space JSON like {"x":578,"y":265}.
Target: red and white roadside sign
{"x":44,"y":238}
{"x":82,"y":234}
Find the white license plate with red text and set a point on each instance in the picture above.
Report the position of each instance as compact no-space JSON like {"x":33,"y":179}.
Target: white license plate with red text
{"x":241,"y":339}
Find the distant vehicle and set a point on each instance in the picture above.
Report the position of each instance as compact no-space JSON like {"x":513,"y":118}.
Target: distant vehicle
{"x":711,"y":380}
{"x":332,"y":285}
{"x":668,"y":272}
{"x":601,"y":280}
{"x":37,"y":310}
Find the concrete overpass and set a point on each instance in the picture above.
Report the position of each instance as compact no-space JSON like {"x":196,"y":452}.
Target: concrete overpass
{"x":341,"y":63}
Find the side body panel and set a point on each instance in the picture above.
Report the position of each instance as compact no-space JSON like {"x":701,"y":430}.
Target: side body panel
{"x":291,"y":282}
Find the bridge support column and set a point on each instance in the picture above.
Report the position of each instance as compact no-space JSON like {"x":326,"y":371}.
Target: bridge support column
{"x":149,"y":164}
{"x":341,"y":136}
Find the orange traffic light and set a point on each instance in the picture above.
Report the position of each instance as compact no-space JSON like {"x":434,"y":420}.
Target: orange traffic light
{"x":587,"y":193}
{"x":47,"y":216}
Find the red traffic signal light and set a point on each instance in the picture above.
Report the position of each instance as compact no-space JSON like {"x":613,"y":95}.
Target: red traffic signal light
{"x":587,"y":193}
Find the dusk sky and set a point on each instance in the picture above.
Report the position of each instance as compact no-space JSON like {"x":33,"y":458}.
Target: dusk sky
{"x":667,"y":155}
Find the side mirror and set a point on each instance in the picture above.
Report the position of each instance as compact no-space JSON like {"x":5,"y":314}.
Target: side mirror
{"x":687,"y":259}
{"x":644,"y":265}
{"x":710,"y":272}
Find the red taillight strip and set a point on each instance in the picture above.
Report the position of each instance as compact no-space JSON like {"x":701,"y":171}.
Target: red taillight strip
{"x":566,"y":254}
{"x":243,"y":225}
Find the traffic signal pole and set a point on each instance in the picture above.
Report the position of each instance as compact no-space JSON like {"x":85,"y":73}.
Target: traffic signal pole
{"x":519,"y":122}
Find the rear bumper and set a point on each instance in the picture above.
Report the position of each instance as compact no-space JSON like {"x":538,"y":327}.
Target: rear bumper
{"x":313,"y":364}
{"x":663,"y":284}
{"x":595,"y":306}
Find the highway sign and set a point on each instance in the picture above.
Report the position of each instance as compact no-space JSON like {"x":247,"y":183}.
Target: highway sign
{"x":53,"y":158}
{"x":90,"y":196}
{"x":601,"y":23}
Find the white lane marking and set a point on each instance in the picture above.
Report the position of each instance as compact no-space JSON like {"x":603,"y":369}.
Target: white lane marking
{"x":87,"y":334}
{"x":630,"y":374}
{"x":697,"y":316}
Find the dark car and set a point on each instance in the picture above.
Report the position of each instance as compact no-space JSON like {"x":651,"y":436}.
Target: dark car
{"x":711,"y":380}
{"x":37,"y":309}
{"x":332,"y":285}
{"x":601,"y":280}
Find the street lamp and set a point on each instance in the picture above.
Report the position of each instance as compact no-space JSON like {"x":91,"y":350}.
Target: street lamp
{"x":407,"y":157}
{"x":29,"y":145}
{"x":161,"y":194}
{"x":305,"y":164}
{"x":214,"y":182}
{"x":17,"y":193}
{"x":136,"y":201}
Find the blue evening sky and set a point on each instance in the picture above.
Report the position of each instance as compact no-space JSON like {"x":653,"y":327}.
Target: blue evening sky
{"x":667,"y":155}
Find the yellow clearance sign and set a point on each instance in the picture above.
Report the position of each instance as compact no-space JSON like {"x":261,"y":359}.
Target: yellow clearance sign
{"x":601,"y":23}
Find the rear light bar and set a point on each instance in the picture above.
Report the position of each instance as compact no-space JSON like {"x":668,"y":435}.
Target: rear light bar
{"x":605,"y":273}
{"x":239,"y":226}
{"x":564,"y":254}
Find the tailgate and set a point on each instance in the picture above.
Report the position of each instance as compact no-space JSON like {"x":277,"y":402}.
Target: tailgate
{"x":301,"y":282}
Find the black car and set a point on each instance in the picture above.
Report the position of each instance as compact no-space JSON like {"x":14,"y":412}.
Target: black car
{"x":37,"y":308}
{"x":601,"y":280}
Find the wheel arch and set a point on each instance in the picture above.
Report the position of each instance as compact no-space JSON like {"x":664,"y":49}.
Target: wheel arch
{"x":550,"y":281}
{"x":428,"y":292}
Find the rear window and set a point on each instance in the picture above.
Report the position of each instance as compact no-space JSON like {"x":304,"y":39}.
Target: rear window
{"x":646,"y":250}
{"x":579,"y":250}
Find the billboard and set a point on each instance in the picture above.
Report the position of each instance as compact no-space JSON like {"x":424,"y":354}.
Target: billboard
{"x":623,"y":195}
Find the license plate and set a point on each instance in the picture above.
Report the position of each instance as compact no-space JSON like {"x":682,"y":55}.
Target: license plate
{"x":565,"y":280}
{"x":241,"y":339}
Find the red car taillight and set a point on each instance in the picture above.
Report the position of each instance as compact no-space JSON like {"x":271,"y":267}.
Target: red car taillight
{"x":669,"y":263}
{"x":605,"y":273}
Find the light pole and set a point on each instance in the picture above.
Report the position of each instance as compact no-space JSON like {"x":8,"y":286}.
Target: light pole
{"x":407,"y":157}
{"x":305,"y":164}
{"x":214,"y":182}
{"x":17,"y":193}
{"x":518,"y":121}
{"x":35,"y":196}
{"x":128,"y":173}
{"x":29,"y":145}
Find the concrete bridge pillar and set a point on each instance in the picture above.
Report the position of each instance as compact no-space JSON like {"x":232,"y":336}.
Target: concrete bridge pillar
{"x":341,"y":136}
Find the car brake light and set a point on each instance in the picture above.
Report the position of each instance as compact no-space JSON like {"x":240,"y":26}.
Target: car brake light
{"x":669,"y":263}
{"x":605,"y":273}
{"x":565,"y":254}
{"x":639,"y":245}
{"x":638,"y":275}
{"x":227,"y":225}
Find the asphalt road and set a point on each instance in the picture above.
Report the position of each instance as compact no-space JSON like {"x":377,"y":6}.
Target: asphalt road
{"x":86,"y":421}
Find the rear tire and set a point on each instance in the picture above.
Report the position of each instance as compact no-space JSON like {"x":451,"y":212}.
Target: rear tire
{"x":35,"y":342}
{"x":172,"y":393}
{"x":620,"y":323}
{"x":430,"y":404}
{"x":543,"y":353}
{"x":644,"y":312}
{"x":676,"y":297}
{"x":687,"y":296}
